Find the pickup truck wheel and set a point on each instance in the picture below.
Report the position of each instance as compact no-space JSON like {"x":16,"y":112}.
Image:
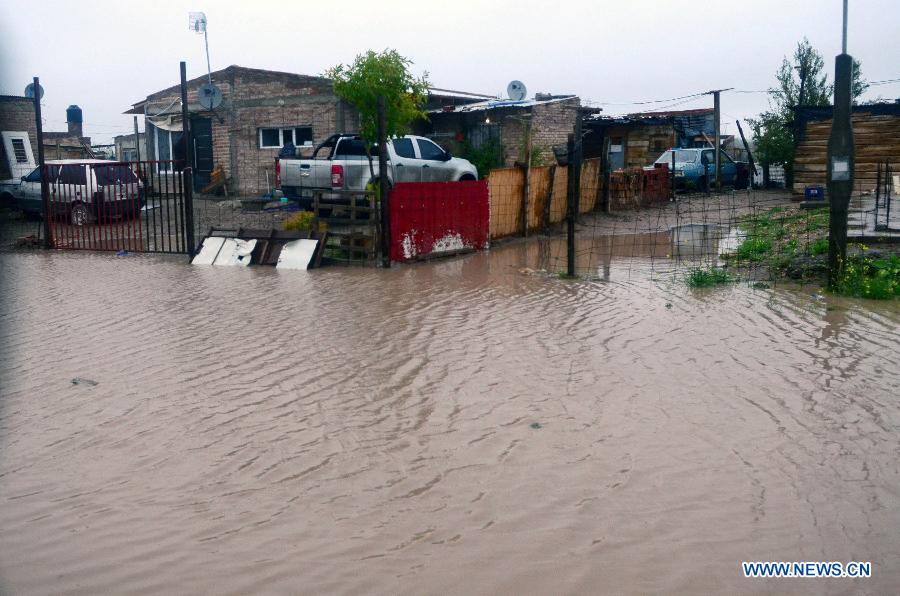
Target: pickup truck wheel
{"x":80,"y":215}
{"x":466,"y":177}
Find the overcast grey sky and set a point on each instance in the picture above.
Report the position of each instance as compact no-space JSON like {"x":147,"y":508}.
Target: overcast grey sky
{"x":104,"y":56}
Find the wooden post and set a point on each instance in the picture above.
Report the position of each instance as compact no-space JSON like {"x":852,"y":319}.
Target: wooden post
{"x":605,"y":201}
{"x":383,"y":188}
{"x":570,"y":207}
{"x":527,"y":187}
{"x":718,"y":123}
{"x":749,"y":153}
{"x":545,"y":219}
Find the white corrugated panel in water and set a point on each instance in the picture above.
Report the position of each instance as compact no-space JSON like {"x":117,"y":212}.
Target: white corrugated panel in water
{"x":297,"y":254}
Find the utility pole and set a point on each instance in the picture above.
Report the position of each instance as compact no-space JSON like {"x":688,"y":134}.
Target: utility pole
{"x":840,"y":162}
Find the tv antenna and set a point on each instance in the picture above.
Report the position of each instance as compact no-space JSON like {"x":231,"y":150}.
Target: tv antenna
{"x":197,"y":24}
{"x":209,"y":96}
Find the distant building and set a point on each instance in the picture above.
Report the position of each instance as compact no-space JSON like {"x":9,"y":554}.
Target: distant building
{"x":637,"y":140}
{"x":71,"y":144}
{"x":126,"y":150}
{"x":18,"y":129}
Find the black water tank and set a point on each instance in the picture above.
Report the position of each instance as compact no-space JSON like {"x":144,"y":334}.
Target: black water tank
{"x":73,"y":114}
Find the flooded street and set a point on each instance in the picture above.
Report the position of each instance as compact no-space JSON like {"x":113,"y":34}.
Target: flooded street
{"x":451,"y":427}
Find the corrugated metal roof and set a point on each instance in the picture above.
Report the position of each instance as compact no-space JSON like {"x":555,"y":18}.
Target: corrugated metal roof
{"x":493,"y":104}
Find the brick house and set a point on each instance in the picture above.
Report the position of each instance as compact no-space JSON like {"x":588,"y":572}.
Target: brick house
{"x":18,"y":129}
{"x":503,"y":124}
{"x":261,"y":110}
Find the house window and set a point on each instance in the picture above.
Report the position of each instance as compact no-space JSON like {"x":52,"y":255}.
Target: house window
{"x":275,"y":138}
{"x":19,"y":150}
{"x":169,"y":147}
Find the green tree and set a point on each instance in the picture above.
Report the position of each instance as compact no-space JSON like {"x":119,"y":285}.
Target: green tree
{"x":385,"y":74}
{"x":773,"y":129}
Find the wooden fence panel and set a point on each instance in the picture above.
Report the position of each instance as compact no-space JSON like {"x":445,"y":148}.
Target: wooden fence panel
{"x":506,"y":187}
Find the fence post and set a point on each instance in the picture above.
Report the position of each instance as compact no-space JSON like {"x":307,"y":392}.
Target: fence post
{"x":673,"y":173}
{"x":570,"y":207}
{"x":45,"y":189}
{"x":383,"y":188}
{"x":840,"y":169}
{"x":188,"y":171}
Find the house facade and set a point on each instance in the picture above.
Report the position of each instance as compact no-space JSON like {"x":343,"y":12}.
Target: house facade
{"x":503,"y":127}
{"x":261,"y":110}
{"x":127,"y":150}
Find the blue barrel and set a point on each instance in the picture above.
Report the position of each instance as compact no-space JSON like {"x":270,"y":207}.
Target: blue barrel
{"x":814,"y":193}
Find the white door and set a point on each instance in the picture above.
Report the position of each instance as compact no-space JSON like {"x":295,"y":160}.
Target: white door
{"x":18,"y":153}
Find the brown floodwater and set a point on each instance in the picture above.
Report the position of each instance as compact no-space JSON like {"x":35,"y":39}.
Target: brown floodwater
{"x":464,"y":426}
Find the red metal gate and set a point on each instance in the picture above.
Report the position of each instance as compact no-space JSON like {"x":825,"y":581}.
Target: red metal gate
{"x":438,"y":218}
{"x":102,"y":205}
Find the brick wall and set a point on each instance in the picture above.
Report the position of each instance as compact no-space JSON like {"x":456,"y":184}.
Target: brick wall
{"x":552,"y":124}
{"x":16,"y":114}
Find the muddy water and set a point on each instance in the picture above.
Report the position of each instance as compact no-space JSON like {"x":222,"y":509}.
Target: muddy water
{"x":450,"y":427}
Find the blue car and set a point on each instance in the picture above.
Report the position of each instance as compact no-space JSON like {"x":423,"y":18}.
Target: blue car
{"x":695,"y":169}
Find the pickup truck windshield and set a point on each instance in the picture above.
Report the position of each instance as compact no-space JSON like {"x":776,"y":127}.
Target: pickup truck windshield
{"x":680,"y":157}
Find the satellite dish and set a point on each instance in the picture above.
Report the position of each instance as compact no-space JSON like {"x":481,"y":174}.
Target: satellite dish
{"x":29,"y":91}
{"x":516,"y":90}
{"x":210,"y":96}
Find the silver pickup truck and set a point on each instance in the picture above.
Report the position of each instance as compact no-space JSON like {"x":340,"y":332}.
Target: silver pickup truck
{"x":340,"y":163}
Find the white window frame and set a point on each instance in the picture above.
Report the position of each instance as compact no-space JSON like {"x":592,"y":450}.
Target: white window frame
{"x":281,"y":130}
{"x":162,"y":167}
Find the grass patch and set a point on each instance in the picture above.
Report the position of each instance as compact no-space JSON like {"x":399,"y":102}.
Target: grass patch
{"x":864,"y":277}
{"x":819,"y":247}
{"x":704,"y":278}
{"x":754,"y":249}
{"x":778,"y":237}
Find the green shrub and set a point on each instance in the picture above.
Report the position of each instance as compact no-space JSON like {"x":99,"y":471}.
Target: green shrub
{"x":819,"y":247}
{"x":754,"y":249}
{"x":300,"y":221}
{"x":867,"y":278}
{"x":704,"y":278}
